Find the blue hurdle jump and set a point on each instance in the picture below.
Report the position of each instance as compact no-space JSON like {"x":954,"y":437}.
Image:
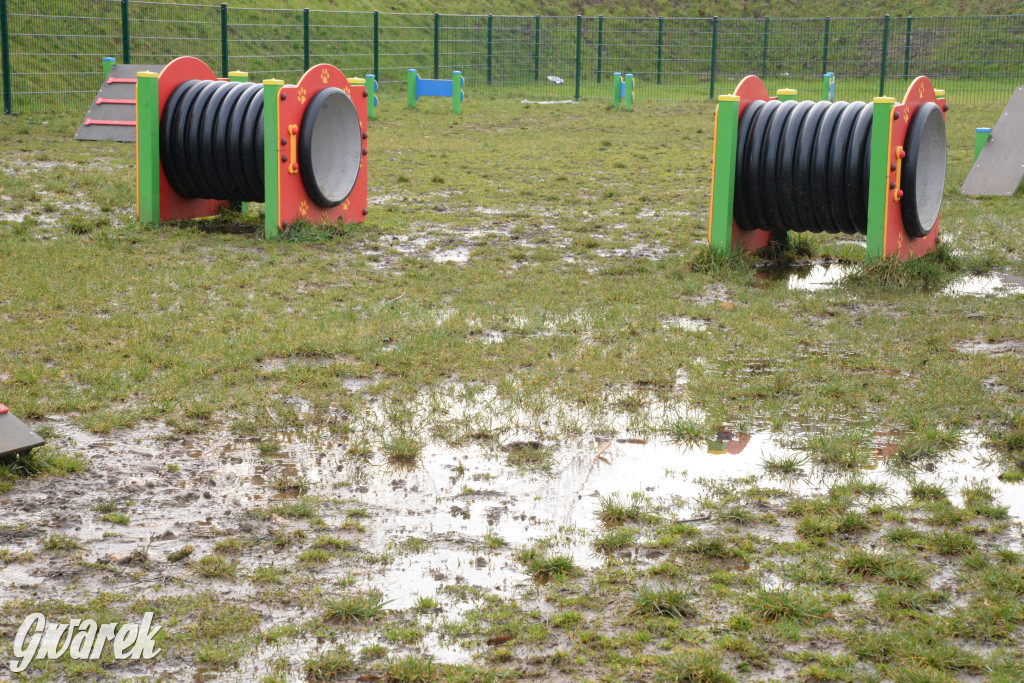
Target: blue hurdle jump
{"x":430,"y":87}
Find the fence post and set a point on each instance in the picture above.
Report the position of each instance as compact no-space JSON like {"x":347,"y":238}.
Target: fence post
{"x":661,"y":41}
{"x":437,"y":43}
{"x":906,"y":54}
{"x":579,"y":52}
{"x":536,"y":47}
{"x":224,"y":39}
{"x":824,"y":48}
{"x":885,"y":54}
{"x":714,"y":55}
{"x":376,"y":44}
{"x":490,"y":47}
{"x":5,"y":48}
{"x":764,"y":51}
{"x":600,"y":44}
{"x":126,"y":39}
{"x":305,"y":39}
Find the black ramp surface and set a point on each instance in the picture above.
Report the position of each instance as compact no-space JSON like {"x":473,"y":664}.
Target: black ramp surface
{"x":1000,"y":166}
{"x":114,"y":102}
{"x":15,"y":437}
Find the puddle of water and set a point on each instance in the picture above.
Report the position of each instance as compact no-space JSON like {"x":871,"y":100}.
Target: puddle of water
{"x":995,"y":284}
{"x":990,"y":348}
{"x":548,"y":102}
{"x":456,"y":255}
{"x":819,"y":277}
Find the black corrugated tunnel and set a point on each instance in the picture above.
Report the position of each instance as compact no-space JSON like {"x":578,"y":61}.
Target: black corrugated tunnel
{"x":804,"y":166}
{"x":211,"y":143}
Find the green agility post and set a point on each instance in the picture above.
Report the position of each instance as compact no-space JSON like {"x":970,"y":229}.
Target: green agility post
{"x":616,"y":89}
{"x":457,"y":94}
{"x":371,"y":100}
{"x":723,"y":173}
{"x":147,"y":128}
{"x":410,"y":88}
{"x":878,"y":175}
{"x":828,"y":87}
{"x":981,"y":136}
{"x":629,"y":92}
{"x":271,"y":164}
{"x":108,"y":64}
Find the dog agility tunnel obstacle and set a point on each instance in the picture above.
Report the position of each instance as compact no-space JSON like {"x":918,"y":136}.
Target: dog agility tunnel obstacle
{"x":872,"y":168}
{"x":204,"y":142}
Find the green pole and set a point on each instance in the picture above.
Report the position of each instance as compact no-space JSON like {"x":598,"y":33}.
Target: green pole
{"x":764,"y":51}
{"x":224,"y":39}
{"x":600,"y":44}
{"x":885,"y":54}
{"x":617,"y":92}
{"x":661,"y":41}
{"x":824,"y":47}
{"x":981,"y":136}
{"x":126,"y":39}
{"x":579,"y":52}
{"x":906,"y":53}
{"x":714,"y":56}
{"x":376,"y":43}
{"x":147,"y":122}
{"x":490,"y":47}
{"x":878,"y":175}
{"x":272,"y":158}
{"x":437,"y":44}
{"x":410,"y":87}
{"x":629,"y":92}
{"x":536,"y":47}
{"x":457,"y":83}
{"x":723,"y":173}
{"x":305,"y":39}
{"x":108,"y":64}
{"x":5,"y":57}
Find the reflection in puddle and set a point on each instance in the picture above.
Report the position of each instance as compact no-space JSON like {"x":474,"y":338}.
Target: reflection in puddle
{"x":995,"y":284}
{"x":819,"y":277}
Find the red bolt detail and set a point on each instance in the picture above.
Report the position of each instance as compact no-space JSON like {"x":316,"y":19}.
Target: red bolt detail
{"x":945,"y":107}
{"x":892,"y":167}
{"x":895,"y":114}
{"x":364,"y":151}
{"x":892,"y":184}
{"x":899,"y":193}
{"x":903,"y":153}
{"x":364,"y":136}
{"x":284,"y":158}
{"x":284,"y":96}
{"x":284,"y":141}
{"x":365,"y":94}
{"x":366,"y":211}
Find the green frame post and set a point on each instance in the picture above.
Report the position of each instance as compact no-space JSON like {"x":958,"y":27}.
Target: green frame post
{"x":376,"y":42}
{"x":108,"y":65}
{"x":457,"y":83}
{"x":764,"y":51}
{"x":629,"y":92}
{"x":437,"y":45}
{"x":240,"y":77}
{"x":224,"y":40}
{"x":885,"y":55}
{"x":5,"y":58}
{"x":714,"y":56}
{"x":906,"y":50}
{"x":878,"y":175}
{"x":617,"y":89}
{"x":827,"y":92}
{"x":723,"y":173}
{"x":305,"y":39}
{"x":271,"y":158}
{"x":371,"y":96}
{"x":410,"y":88}
{"x":785,"y":94}
{"x":579,"y":53}
{"x":147,"y":122}
{"x":490,"y":45}
{"x":600,"y":45}
{"x":536,"y":47}
{"x":981,"y":136}
{"x":661,"y":42}
{"x":824,"y":46}
{"x":126,"y":36}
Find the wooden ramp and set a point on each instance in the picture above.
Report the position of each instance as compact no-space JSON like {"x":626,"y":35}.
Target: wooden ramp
{"x":1000,"y":166}
{"x":15,"y":437}
{"x":112,"y":114}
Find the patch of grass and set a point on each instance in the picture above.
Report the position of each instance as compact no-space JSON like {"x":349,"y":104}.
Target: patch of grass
{"x":784,"y":465}
{"x":927,"y":273}
{"x":411,"y":669}
{"x":912,"y":599}
{"x":425,"y":603}
{"x":61,"y":543}
{"x":39,"y":462}
{"x":543,"y":565}
{"x":865,"y":562}
{"x":216,"y":567}
{"x":529,"y":456}
{"x":665,"y":601}
{"x":713,"y":548}
{"x":614,"y":510}
{"x":357,"y":607}
{"x":116,"y":518}
{"x":691,"y":666}
{"x":778,"y":604}
{"x":686,"y":431}
{"x":905,"y":571}
{"x":952,"y":543}
{"x":402,"y":449}
{"x":328,"y":665}
{"x":924,"y":491}
{"x":841,"y":450}
{"x":615,"y":539}
{"x":306,"y":508}
{"x":312,"y":556}
{"x":181,"y":553}
{"x":267,"y":575}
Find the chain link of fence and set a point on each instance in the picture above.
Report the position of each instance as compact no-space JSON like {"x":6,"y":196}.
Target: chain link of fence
{"x":52,"y":57}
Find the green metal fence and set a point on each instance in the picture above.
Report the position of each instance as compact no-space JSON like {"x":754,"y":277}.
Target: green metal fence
{"x":52,"y":51}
